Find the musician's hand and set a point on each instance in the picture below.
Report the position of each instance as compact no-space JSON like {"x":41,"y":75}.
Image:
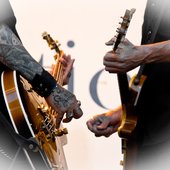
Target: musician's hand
{"x":64,"y":103}
{"x":105,"y":124}
{"x":125,"y":58}
{"x":67,"y":62}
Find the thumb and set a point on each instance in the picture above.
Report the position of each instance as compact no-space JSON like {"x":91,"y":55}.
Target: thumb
{"x":103,"y":125}
{"x":111,"y":41}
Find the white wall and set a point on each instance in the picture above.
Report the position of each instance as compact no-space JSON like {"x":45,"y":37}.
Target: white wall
{"x":89,"y":23}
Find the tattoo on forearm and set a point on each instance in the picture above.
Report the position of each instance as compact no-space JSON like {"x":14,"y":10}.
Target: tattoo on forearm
{"x":15,"y":56}
{"x":62,"y":98}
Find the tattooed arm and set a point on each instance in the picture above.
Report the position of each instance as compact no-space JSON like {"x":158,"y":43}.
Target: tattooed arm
{"x":15,"y":56}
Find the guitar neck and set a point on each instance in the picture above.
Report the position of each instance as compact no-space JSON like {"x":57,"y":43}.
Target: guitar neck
{"x":58,"y":72}
{"x":58,"y":67}
{"x":122,"y":78}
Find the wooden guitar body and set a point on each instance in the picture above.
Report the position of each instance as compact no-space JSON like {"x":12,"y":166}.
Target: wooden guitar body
{"x":129,"y":120}
{"x":31,"y":117}
{"x":127,"y":130}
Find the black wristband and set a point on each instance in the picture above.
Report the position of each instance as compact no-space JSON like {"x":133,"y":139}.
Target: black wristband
{"x":43,"y":84}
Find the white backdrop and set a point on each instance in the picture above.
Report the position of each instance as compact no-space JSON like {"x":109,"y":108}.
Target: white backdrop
{"x":89,"y":24}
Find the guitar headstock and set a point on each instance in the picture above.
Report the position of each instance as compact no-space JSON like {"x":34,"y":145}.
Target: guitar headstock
{"x":54,"y":45}
{"x":57,"y":71}
{"x":121,"y":31}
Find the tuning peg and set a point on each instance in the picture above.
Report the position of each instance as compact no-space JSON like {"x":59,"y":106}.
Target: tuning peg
{"x":118,"y":30}
{"x":45,"y":34}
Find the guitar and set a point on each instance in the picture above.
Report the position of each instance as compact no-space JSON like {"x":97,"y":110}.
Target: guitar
{"x":31,"y":116}
{"x":129,"y":93}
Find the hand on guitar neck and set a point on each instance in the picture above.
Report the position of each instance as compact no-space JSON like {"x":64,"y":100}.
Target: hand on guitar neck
{"x":126,"y":57}
{"x":67,"y":63}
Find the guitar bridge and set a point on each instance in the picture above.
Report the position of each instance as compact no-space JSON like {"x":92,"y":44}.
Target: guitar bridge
{"x":48,"y":124}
